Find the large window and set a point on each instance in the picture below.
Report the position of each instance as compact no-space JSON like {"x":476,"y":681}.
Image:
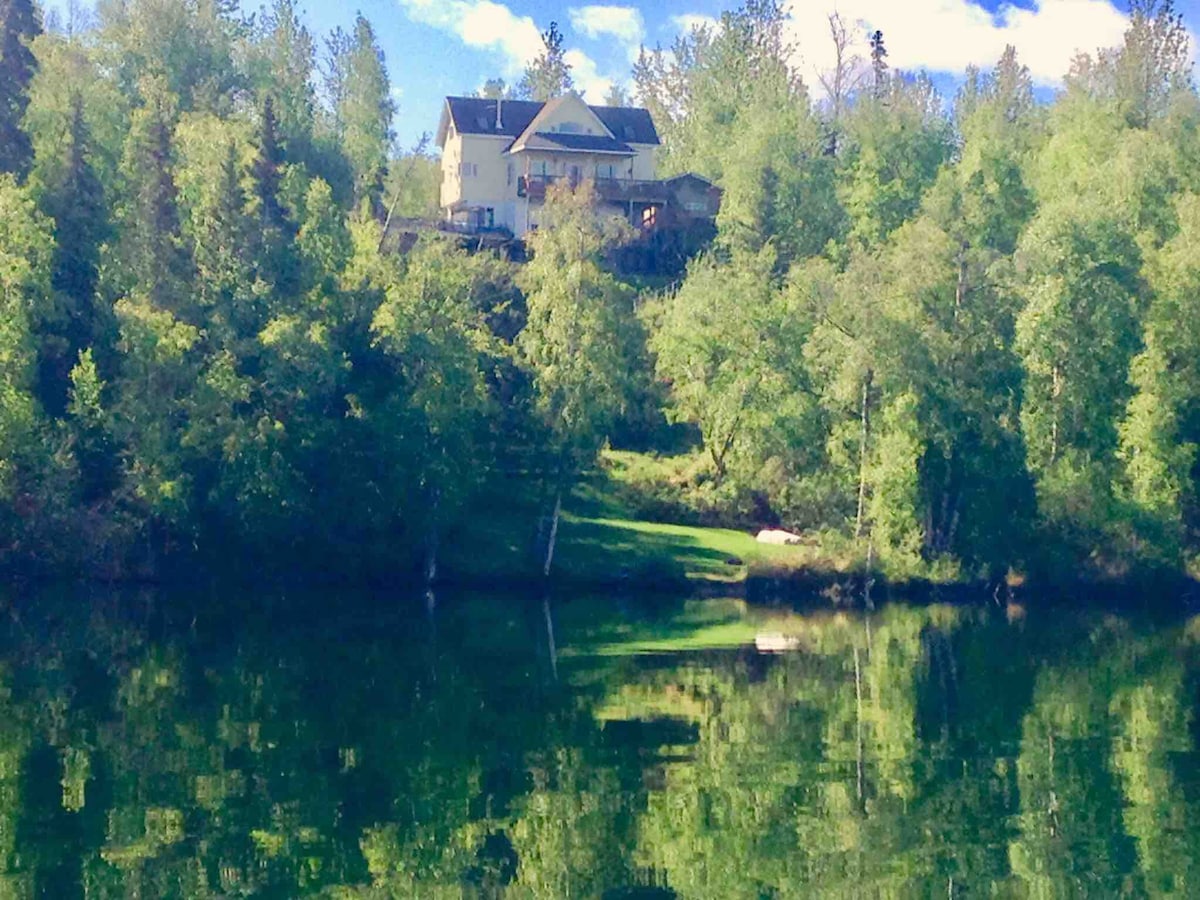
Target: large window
{"x":468,"y":170}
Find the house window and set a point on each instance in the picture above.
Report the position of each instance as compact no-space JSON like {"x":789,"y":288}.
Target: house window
{"x":576,"y":174}
{"x":570,"y":128}
{"x":510,"y":174}
{"x":489,"y":219}
{"x":649,"y":216}
{"x":468,"y":170}
{"x":607,"y":170}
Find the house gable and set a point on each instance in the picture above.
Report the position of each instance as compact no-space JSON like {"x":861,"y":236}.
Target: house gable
{"x":565,"y":115}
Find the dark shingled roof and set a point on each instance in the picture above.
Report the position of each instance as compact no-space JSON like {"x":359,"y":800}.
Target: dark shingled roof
{"x":628,"y":123}
{"x":474,"y":115}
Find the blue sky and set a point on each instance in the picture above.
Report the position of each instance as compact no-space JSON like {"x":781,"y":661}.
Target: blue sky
{"x":440,"y":47}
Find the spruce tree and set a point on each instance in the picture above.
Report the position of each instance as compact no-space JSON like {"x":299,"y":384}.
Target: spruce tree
{"x":74,"y":198}
{"x":18,"y":27}
{"x":879,"y":66}
{"x":288,"y":57}
{"x":277,"y":263}
{"x":157,"y":262}
{"x":266,"y":169}
{"x":365,"y":113}
{"x":549,"y":75}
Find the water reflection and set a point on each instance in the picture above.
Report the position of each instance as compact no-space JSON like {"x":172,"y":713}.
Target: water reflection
{"x":506,"y":747}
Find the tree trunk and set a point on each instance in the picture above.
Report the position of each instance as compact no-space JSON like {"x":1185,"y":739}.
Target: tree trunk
{"x":553,"y":538}
{"x":431,"y":539}
{"x":550,"y":642}
{"x":864,"y":439}
{"x":858,"y":729}
{"x":1055,"y":392}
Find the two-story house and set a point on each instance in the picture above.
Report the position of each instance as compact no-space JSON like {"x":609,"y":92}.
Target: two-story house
{"x":499,"y":156}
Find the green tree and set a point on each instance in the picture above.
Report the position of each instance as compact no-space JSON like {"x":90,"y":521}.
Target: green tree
{"x":364,"y":112}
{"x":26,"y":246}
{"x":75,"y":199}
{"x":19,"y":25}
{"x":497,"y":89}
{"x":879,"y":66}
{"x":437,"y":337}
{"x":287,"y":58}
{"x":577,"y":342}
{"x":152,"y":249}
{"x":725,"y":343}
{"x":549,"y":75}
{"x":1077,"y":333}
{"x":1151,"y":67}
{"x":894,"y":146}
{"x":1158,"y":434}
{"x":192,"y":47}
{"x":276,"y":230}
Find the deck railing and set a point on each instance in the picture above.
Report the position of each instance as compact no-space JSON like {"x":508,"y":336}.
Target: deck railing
{"x":613,"y":190}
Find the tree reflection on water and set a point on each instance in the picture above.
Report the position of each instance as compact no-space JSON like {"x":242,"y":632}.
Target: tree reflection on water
{"x":496,"y":747}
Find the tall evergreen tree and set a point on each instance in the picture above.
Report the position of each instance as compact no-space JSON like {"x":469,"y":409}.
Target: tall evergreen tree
{"x":277,"y":262}
{"x":364,"y":111}
{"x":152,"y":242}
{"x":287,"y":61}
{"x":18,"y":27}
{"x":879,"y":66}
{"x":75,"y":200}
{"x":549,"y":75}
{"x":266,"y":168}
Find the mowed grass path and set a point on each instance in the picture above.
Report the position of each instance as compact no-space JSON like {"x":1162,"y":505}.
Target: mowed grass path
{"x":634,"y":548}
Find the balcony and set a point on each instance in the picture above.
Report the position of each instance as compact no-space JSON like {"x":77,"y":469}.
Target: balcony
{"x":610,"y":190}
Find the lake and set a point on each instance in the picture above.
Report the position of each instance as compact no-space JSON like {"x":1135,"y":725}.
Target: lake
{"x":349,"y":744}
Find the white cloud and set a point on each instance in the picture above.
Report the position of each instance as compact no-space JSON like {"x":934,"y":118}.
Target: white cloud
{"x":688,"y":21}
{"x":622,"y":22}
{"x":482,"y":24}
{"x":593,"y":86}
{"x":950,"y":35}
{"x":493,"y":26}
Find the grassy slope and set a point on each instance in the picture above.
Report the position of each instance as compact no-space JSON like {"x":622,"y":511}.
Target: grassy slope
{"x":599,"y":543}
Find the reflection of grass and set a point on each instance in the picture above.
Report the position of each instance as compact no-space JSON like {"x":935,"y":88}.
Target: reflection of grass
{"x":714,"y":637}
{"x":701,"y":625}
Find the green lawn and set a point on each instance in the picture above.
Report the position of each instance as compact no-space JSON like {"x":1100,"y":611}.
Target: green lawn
{"x":598,"y":545}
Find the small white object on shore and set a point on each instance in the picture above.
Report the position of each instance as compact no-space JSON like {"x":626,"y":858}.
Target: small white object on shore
{"x":775,"y":642}
{"x":776,"y":536}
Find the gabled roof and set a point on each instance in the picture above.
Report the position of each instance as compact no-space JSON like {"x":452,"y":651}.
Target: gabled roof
{"x":692,"y":176}
{"x":475,"y":115}
{"x":631,"y":124}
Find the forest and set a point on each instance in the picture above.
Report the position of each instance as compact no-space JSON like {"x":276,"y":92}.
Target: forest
{"x":950,"y":335}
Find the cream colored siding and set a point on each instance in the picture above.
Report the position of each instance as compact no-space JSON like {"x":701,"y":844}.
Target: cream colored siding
{"x":451,"y":160}
{"x":573,"y":117}
{"x":644,"y":167}
{"x":475,"y":172}
{"x":478,"y":176}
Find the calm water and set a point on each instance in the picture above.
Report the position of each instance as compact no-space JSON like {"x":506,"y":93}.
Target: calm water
{"x":351,"y":745}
